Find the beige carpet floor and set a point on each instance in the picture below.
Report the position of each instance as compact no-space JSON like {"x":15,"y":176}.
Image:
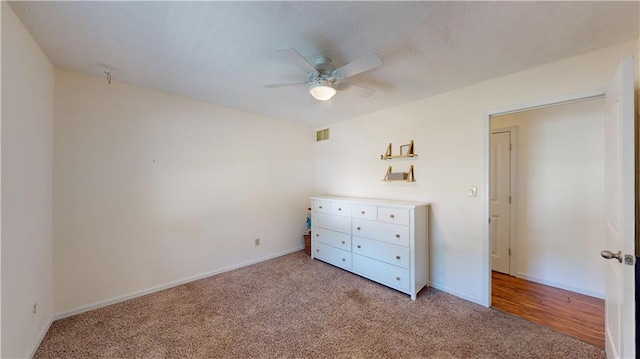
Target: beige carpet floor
{"x":295,"y":307}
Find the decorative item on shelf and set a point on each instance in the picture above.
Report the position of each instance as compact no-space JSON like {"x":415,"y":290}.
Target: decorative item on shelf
{"x":391,"y":176}
{"x":405,"y":151}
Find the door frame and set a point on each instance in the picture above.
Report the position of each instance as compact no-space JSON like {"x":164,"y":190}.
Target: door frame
{"x":486,"y":156}
{"x":513,"y":192}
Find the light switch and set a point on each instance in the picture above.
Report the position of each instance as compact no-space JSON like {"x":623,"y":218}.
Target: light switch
{"x":473,"y":191}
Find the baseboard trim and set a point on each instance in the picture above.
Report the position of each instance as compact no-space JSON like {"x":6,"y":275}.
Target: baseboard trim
{"x":464,"y":296}
{"x":39,"y":338}
{"x":559,"y":285}
{"x":158,"y":288}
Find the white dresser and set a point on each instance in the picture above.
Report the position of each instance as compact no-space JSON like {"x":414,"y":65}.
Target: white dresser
{"x":383,"y":240}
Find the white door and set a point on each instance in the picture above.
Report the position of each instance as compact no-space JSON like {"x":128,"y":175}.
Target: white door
{"x":500,"y":201}
{"x":619,"y":207}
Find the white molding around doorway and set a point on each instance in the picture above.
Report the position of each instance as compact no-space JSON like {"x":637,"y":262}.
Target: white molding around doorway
{"x":486,"y":150}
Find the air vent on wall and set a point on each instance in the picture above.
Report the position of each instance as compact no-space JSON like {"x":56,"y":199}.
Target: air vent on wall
{"x":322,"y":135}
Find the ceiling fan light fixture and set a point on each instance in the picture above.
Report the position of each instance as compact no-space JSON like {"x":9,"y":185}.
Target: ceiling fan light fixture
{"x":322,"y":91}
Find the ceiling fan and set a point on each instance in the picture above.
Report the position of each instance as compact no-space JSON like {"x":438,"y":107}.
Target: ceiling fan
{"x":324,"y":79}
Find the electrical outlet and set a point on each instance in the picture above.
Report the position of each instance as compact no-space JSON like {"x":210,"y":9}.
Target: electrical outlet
{"x":256,"y":242}
{"x":35,"y":308}
{"x":473,"y":191}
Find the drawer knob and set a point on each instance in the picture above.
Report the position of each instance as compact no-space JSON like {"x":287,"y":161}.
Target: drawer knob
{"x":358,"y":228}
{"x":392,"y":215}
{"x":397,"y":257}
{"x":342,"y":242}
{"x":397,"y":236}
{"x":343,"y":259}
{"x":359,"y":246}
{"x":339,"y":209}
{"x":397,"y":278}
{"x":362,"y":212}
{"x":317,"y":234}
{"x":317,"y":250}
{"x":320,"y":207}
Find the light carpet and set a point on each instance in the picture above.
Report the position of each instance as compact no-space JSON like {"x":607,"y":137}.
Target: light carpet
{"x":295,"y":307}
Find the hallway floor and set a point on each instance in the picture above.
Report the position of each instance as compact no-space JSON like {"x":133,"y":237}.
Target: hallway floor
{"x":574,"y":314}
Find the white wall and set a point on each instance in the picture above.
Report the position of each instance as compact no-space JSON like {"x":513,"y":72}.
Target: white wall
{"x":152,"y":189}
{"x":448,"y":135}
{"x":27,"y":144}
{"x":559,"y":196}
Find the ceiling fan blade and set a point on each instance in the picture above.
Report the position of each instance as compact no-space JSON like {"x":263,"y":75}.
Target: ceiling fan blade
{"x":299,"y":60}
{"x":355,"y":89}
{"x":285,"y":84}
{"x":365,"y":63}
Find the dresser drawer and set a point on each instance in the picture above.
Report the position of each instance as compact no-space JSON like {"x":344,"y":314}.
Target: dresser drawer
{"x":364,"y":212}
{"x":341,"y":209}
{"x":321,"y":206}
{"x":384,"y":273}
{"x":331,"y":255}
{"x":388,"y":253}
{"x":390,"y":233}
{"x":336,"y":223}
{"x":393,"y":215}
{"x":332,"y":238}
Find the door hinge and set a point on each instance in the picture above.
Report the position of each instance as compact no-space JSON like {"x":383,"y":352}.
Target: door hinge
{"x":510,"y":147}
{"x":509,"y":251}
{"x":489,"y":220}
{"x":509,"y":199}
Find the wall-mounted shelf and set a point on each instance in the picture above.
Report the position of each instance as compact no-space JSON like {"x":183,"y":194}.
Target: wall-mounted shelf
{"x":406,"y":151}
{"x":391,"y":176}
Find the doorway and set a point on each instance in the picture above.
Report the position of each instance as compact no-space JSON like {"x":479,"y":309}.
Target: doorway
{"x":546,"y":226}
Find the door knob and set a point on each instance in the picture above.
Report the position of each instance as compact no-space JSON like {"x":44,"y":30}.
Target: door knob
{"x":611,"y":255}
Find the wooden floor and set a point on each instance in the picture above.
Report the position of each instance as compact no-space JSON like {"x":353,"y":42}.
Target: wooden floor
{"x":577,"y":315}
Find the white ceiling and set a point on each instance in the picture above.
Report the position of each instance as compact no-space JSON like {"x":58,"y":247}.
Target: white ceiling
{"x":222,"y":52}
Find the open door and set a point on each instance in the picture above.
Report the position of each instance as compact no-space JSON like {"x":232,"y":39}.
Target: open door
{"x":620,"y":207}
